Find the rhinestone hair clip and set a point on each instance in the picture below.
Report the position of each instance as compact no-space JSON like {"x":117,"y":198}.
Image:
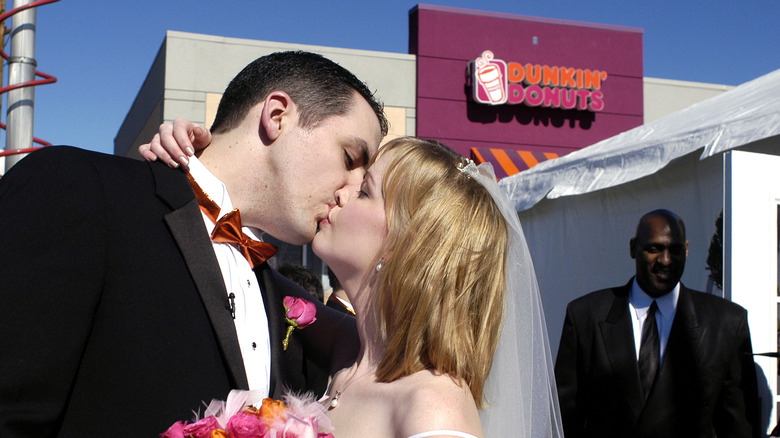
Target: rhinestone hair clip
{"x":464,"y":164}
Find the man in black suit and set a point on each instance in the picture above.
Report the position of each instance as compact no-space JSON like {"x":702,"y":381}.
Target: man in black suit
{"x":653,"y":358}
{"x":338,"y":298}
{"x":120,"y":314}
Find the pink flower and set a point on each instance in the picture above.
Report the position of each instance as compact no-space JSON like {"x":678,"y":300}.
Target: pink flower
{"x":299,"y":314}
{"x":244,"y":425}
{"x":202,"y":428}
{"x":298,"y":416}
{"x":175,"y":431}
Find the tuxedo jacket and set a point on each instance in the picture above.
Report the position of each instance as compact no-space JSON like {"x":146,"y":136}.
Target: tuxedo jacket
{"x":115,"y":315}
{"x":706,"y":385}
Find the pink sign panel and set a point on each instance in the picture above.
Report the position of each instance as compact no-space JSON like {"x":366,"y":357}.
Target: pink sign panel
{"x":491,"y":80}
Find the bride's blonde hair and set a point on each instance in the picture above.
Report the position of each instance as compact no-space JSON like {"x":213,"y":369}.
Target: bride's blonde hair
{"x":440,"y":290}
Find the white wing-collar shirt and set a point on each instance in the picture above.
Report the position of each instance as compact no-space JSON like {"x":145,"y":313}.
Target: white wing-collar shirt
{"x":250,"y":318}
{"x":639,"y":303}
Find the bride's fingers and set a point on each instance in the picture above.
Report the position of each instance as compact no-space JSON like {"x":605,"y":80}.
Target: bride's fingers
{"x":156,"y":148}
{"x":146,"y":154}
{"x":175,"y":141}
{"x":167,"y":145}
{"x":201,"y":138}
{"x":179,"y":144}
{"x":152,"y":151}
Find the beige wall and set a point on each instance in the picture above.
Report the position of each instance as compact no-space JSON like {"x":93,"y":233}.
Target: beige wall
{"x":667,"y":96}
{"x":397,"y":126}
{"x":212,"y":103}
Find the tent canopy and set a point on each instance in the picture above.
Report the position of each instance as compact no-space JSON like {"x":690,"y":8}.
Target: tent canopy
{"x":735,"y":118}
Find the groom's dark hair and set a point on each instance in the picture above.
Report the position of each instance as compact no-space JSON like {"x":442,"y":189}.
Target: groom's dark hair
{"x":319,"y":87}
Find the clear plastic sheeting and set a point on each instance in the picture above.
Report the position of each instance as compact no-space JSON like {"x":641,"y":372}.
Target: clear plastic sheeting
{"x":745,"y":114}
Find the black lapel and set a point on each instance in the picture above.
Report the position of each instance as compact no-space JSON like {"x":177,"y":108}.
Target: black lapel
{"x":286,"y":365}
{"x":618,"y":336}
{"x":188,"y":230}
{"x":687,"y":322}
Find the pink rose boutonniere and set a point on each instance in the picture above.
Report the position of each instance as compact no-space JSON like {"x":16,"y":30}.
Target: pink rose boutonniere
{"x":299,"y":314}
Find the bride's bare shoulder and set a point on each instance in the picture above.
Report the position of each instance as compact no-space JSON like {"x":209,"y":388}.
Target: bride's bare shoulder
{"x":435,"y":402}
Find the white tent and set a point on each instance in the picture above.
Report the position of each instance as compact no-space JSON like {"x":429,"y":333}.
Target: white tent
{"x":579,"y":211}
{"x":740,"y":116}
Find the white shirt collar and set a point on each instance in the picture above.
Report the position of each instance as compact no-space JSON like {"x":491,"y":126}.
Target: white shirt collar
{"x":217,"y":191}
{"x":667,"y":304}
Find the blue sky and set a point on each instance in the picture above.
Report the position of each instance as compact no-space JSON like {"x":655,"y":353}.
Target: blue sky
{"x":101,"y":50}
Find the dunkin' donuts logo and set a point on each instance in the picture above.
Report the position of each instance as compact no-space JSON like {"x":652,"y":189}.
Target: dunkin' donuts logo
{"x":490,"y":82}
{"x":496,"y":82}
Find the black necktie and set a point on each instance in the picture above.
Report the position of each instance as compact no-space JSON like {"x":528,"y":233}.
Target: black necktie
{"x":649,"y":351}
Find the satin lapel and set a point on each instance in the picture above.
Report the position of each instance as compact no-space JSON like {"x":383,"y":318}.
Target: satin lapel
{"x":186,"y":225}
{"x":286,"y":372}
{"x":618,"y":336}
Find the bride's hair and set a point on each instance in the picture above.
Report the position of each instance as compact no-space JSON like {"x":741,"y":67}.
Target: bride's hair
{"x":441,"y":288}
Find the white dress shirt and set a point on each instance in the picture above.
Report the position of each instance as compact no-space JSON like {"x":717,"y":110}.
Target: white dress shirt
{"x":250,"y":319}
{"x":639,"y":303}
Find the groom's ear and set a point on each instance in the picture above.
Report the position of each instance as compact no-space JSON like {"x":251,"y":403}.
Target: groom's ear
{"x":276,"y":116}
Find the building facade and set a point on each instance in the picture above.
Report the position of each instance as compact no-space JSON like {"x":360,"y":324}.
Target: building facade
{"x":508,"y":89}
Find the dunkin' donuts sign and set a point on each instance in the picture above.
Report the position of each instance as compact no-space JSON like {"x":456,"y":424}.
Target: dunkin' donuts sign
{"x":496,"y":82}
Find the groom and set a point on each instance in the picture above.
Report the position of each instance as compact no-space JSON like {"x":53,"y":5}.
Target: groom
{"x":120,"y":315}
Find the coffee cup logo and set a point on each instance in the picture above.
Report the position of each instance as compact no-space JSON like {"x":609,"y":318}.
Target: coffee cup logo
{"x":490,"y":81}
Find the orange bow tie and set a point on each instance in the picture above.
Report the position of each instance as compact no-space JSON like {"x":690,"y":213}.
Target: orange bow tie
{"x":228,"y":229}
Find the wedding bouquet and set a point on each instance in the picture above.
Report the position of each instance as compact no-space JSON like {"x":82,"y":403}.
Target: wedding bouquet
{"x":295,"y":417}
{"x":238,"y":417}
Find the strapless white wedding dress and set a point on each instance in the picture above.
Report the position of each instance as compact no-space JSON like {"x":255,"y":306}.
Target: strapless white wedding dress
{"x":443,"y":432}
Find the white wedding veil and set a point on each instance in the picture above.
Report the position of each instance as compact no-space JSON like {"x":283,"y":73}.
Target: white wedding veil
{"x":522,"y":400}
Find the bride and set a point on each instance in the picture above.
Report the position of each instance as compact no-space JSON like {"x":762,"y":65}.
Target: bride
{"x":453,"y":341}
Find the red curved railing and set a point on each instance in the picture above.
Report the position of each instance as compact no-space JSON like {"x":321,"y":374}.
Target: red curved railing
{"x":46,"y":79}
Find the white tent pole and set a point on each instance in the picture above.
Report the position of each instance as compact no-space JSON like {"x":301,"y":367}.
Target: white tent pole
{"x":21,"y":68}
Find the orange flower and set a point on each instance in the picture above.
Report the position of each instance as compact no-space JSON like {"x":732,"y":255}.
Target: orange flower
{"x":271,"y":410}
{"x":219,"y":433}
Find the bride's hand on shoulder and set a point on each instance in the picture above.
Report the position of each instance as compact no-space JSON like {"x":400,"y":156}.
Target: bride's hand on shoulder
{"x":176,"y":141}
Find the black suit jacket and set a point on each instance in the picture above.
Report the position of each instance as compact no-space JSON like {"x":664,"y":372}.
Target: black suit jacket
{"x":115,"y":315}
{"x":706,"y":385}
